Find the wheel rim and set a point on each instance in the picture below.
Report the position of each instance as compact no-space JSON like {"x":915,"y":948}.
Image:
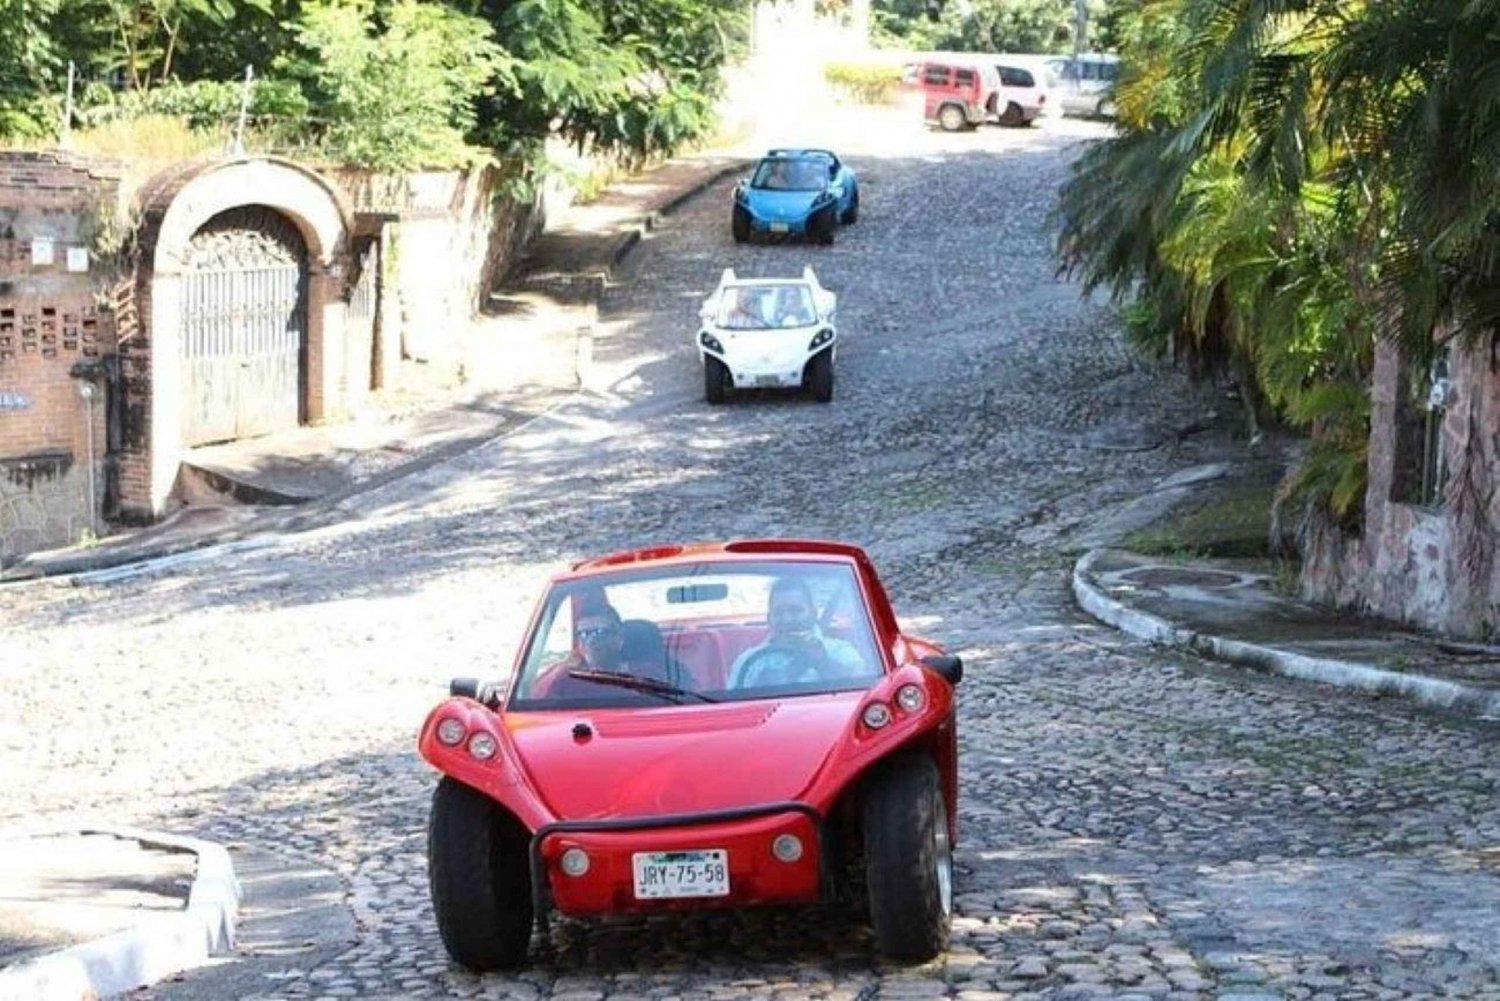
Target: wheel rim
{"x":950,"y":117}
{"x":942,"y":854}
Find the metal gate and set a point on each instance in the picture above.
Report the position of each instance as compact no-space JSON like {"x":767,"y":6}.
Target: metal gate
{"x":244,"y":323}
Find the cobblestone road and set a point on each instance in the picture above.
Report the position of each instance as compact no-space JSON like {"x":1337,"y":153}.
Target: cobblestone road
{"x":1134,"y":825}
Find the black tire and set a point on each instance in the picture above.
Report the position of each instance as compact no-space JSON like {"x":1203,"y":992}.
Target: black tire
{"x":715,"y":376}
{"x":479,"y":877}
{"x":952,"y":118}
{"x":852,"y":216}
{"x":820,"y":377}
{"x":1012,"y":117}
{"x":739,"y":225}
{"x":824,"y":225}
{"x":1105,"y":108}
{"x":906,"y":856}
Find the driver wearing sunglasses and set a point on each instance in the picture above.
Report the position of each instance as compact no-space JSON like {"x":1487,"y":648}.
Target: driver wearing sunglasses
{"x":600,"y":639}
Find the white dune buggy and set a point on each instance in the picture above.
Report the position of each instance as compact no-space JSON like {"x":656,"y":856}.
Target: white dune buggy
{"x":768,"y":333}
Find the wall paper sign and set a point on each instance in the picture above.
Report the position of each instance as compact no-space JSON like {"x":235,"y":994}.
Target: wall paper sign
{"x":41,"y":251}
{"x":13,"y":401}
{"x":78,"y":259}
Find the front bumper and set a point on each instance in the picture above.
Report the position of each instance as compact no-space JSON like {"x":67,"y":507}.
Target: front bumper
{"x":766,"y":379}
{"x":778,"y":225}
{"x":770,"y":367}
{"x":800,"y":224}
{"x":756,"y":876}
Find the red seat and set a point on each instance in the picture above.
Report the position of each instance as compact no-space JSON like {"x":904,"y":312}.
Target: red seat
{"x":737,"y":639}
{"x":700,"y":654}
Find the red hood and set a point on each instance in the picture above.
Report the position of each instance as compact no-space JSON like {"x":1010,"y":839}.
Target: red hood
{"x":642,"y":762}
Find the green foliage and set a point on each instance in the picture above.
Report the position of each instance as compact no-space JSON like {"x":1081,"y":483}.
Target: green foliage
{"x":1107,"y":31}
{"x":205,"y":103}
{"x":634,"y":78}
{"x":254,"y":35}
{"x":1293,"y":180}
{"x":29,"y":61}
{"x":902,"y":24}
{"x":1010,"y":25}
{"x":980,"y":25}
{"x":150,"y":31}
{"x":868,"y":83}
{"x":397,"y":93}
{"x":384,"y":83}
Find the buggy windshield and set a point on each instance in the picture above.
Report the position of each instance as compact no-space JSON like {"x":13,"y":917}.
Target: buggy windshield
{"x":766,"y":307}
{"x":791,"y":175}
{"x":709,"y":632}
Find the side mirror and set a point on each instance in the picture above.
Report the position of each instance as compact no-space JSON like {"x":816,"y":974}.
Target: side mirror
{"x":472,"y":688}
{"x":950,"y":666}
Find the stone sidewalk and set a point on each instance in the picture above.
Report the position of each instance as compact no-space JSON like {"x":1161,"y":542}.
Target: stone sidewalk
{"x":530,"y":351}
{"x":1231,"y":610}
{"x":93,"y":912}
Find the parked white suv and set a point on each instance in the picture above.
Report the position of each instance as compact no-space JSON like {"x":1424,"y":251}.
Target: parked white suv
{"x":1022,"y":97}
{"x":1085,"y":84}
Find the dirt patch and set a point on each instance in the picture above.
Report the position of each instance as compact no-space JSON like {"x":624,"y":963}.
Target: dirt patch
{"x":1229,"y":518}
{"x":1173,"y":577}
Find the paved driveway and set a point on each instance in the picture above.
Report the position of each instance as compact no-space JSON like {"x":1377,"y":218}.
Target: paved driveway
{"x":1134,"y":824}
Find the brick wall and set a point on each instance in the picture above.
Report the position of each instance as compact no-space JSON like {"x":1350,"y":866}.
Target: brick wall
{"x":55,"y":313}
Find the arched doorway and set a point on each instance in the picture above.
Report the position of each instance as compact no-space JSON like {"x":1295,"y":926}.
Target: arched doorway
{"x":247,"y":257}
{"x":243,"y":333}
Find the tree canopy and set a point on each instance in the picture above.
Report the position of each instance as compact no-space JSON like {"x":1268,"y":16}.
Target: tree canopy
{"x":385,"y":83}
{"x":982,"y":25}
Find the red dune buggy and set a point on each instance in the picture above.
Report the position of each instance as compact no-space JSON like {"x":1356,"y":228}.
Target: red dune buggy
{"x":699,"y":726}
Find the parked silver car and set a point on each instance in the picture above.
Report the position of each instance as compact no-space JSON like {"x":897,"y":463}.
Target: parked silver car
{"x":1085,"y":84}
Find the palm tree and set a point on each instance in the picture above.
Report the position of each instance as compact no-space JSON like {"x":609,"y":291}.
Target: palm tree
{"x":1294,"y":179}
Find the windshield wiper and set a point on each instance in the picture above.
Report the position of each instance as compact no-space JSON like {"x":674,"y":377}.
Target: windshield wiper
{"x":638,"y":684}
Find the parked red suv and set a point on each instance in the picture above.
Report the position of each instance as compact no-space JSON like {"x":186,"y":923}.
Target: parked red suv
{"x":957,"y":94}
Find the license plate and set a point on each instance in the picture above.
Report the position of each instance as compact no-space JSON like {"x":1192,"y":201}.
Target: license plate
{"x":779,"y":227}
{"x":768,"y":380}
{"x":660,"y":875}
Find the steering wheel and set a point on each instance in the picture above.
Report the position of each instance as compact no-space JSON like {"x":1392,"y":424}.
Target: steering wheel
{"x":802,"y":664}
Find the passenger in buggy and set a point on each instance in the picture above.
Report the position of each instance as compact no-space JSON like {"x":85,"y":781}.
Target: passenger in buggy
{"x":796,"y":650}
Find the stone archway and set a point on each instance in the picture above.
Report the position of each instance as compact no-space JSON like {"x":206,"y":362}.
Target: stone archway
{"x":269,"y":215}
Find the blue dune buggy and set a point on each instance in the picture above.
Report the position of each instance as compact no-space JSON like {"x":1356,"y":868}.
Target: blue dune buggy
{"x":806,"y":191}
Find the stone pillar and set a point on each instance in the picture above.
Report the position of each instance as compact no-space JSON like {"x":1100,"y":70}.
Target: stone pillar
{"x":165,"y":436}
{"x":1385,"y":393}
{"x":325,"y":343}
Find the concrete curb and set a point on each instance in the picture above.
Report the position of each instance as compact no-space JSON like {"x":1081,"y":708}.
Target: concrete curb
{"x":713,"y":177}
{"x":1433,"y":692}
{"x":144,"y":955}
{"x":634,"y":230}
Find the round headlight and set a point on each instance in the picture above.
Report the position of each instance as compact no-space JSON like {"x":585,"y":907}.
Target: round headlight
{"x":575,"y":861}
{"x":787,"y":847}
{"x":910,"y":698}
{"x":876,"y":715}
{"x":483,"y":746}
{"x":451,"y":732}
